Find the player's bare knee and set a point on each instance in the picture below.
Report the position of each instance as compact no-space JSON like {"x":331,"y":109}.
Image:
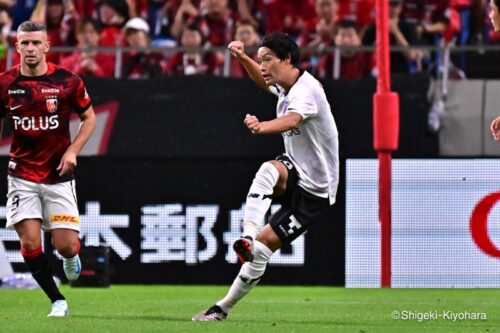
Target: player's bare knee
{"x":67,"y":247}
{"x":30,"y":244}
{"x":68,"y":250}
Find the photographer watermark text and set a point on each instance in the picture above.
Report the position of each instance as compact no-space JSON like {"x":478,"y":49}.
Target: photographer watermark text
{"x":421,"y":316}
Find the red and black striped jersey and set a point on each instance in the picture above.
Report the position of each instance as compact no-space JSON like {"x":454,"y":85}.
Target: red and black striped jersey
{"x":38,"y":109}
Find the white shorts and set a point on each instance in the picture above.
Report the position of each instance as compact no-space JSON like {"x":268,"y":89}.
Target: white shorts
{"x":54,"y":204}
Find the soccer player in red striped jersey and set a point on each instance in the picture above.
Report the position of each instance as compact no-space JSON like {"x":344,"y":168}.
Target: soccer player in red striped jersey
{"x":37,"y":99}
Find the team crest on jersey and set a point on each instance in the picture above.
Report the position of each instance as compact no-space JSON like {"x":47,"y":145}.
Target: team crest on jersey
{"x":51,"y":103}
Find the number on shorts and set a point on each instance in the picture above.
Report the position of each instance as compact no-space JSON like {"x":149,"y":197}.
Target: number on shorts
{"x":15,"y":202}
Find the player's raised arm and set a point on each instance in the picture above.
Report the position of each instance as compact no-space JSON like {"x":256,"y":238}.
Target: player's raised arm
{"x":237,"y":49}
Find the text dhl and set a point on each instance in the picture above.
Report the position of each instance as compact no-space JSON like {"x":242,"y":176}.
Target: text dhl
{"x":60,"y":218}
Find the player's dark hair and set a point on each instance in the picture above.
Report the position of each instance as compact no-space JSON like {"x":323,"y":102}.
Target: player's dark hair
{"x":30,"y":26}
{"x":283,"y":46}
{"x":497,"y":3}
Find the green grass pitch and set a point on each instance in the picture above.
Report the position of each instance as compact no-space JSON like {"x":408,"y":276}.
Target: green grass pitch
{"x":266,"y":309}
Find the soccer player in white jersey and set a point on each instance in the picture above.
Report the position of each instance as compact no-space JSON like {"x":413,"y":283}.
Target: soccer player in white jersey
{"x":304,"y":179}
{"x":495,"y":20}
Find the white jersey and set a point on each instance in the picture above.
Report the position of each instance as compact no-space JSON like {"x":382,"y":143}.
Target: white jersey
{"x":313,"y":146}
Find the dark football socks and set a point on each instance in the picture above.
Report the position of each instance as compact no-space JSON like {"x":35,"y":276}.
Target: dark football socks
{"x":40,"y":269}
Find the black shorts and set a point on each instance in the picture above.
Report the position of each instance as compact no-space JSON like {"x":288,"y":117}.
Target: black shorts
{"x":299,"y":208}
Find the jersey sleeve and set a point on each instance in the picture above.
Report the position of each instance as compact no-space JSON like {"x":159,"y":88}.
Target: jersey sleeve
{"x":303,"y":104}
{"x":79,"y":98}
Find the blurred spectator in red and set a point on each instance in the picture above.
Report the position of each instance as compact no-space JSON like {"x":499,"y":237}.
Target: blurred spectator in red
{"x":293,"y":17}
{"x":216,"y":22}
{"x":360,"y":11}
{"x":458,"y":4}
{"x":402,"y":34}
{"x":5,"y":35}
{"x":138,"y":8}
{"x":327,"y":10}
{"x":113,"y":15}
{"x":440,"y":26}
{"x":140,"y":63}
{"x":85,"y":61}
{"x":326,"y":15}
{"x":184,"y":15}
{"x":215,"y":17}
{"x":195,"y":61}
{"x":483,"y":24}
{"x":246,"y":32}
{"x":89,"y":8}
{"x":416,"y":11}
{"x":250,"y":10}
{"x":59,"y":18}
{"x":441,"y":23}
{"x":161,"y":17}
{"x":86,"y":8}
{"x":480,"y":24}
{"x":319,"y":62}
{"x":354,"y":64}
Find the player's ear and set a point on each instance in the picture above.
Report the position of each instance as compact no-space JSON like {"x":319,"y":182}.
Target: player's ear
{"x":47,"y":46}
{"x":17,"y":47}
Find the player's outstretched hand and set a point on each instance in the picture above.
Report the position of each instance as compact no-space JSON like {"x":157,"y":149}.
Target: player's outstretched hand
{"x":253,"y":123}
{"x":495,"y":128}
{"x":67,"y":164}
{"x":237,"y":49}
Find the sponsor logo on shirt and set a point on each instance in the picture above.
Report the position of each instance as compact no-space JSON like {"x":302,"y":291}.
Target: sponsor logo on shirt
{"x":292,"y":132}
{"x":36,"y":123}
{"x":50,"y":91}
{"x":16,"y":92}
{"x":62,"y":218}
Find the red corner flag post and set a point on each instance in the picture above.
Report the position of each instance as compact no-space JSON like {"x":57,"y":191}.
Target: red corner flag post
{"x":385,"y":134}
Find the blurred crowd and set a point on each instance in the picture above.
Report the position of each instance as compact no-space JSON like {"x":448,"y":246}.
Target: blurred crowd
{"x":316,"y":25}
